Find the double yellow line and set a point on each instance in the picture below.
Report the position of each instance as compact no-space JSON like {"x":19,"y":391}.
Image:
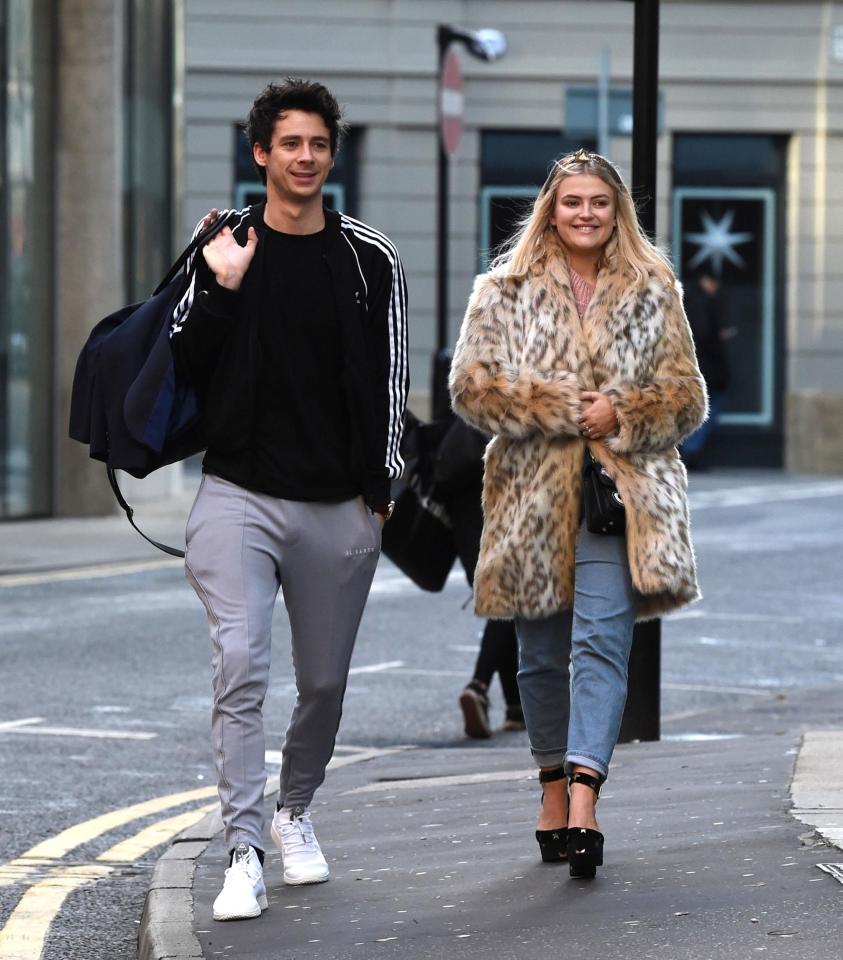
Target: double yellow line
{"x":24,"y":934}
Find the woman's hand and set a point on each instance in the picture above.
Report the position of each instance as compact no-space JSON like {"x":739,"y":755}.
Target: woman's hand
{"x":598,"y":418}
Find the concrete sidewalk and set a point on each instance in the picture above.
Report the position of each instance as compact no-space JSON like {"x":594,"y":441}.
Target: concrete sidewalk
{"x":74,"y":543}
{"x":432,"y":855}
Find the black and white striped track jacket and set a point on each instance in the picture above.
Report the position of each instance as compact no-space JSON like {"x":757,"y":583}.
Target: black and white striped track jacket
{"x":214,"y":336}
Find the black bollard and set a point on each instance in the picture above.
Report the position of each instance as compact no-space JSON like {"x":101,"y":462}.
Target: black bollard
{"x":641,"y":718}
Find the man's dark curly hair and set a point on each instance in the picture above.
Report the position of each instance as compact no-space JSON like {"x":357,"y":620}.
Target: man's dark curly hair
{"x":292,"y":93}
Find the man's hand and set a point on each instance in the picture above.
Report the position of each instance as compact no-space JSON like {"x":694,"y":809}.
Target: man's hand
{"x":226,"y":257}
{"x":598,"y":415}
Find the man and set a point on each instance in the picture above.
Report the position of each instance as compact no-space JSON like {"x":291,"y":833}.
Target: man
{"x":294,"y":334}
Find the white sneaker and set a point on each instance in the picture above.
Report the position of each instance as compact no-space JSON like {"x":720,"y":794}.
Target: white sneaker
{"x":243,"y":894}
{"x":292,"y":832}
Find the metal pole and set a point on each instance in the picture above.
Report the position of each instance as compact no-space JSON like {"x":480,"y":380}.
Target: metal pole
{"x":440,"y":403}
{"x":603,"y":81}
{"x":641,"y":720}
{"x":442,"y":222}
{"x":645,"y":111}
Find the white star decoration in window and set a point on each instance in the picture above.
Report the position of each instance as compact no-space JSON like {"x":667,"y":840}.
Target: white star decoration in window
{"x":717,"y":242}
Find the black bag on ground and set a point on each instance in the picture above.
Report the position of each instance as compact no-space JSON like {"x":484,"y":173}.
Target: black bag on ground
{"x":602,"y":504}
{"x":418,"y":538}
{"x":127,"y":403}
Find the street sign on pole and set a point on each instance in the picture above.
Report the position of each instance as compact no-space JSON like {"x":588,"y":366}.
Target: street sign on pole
{"x":451,"y":102}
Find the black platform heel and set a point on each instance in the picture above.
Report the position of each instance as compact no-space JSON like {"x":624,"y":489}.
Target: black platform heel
{"x":585,"y":847}
{"x":553,"y":843}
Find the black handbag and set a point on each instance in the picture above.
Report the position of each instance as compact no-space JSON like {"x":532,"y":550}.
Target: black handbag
{"x":602,"y":504}
{"x":419,"y":538}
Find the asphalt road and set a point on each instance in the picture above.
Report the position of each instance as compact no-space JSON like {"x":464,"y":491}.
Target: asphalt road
{"x":106,"y":686}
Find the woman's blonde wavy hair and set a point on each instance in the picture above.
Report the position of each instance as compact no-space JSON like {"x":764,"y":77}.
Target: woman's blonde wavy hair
{"x":628,"y":250}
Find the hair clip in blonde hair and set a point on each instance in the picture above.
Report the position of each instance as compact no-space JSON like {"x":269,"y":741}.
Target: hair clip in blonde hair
{"x":582,"y":156}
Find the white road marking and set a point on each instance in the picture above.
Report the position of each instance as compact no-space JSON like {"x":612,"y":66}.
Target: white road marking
{"x":392,"y":585}
{"x":344,"y":755}
{"x":834,"y":869}
{"x":421,"y":672}
{"x":818,"y":647}
{"x":391,"y":582}
{"x":699,"y":614}
{"x":377,"y":667}
{"x":39,"y":731}
{"x":370,"y":754}
{"x":92,"y":572}
{"x":703,"y":688}
{"x":12,"y":724}
{"x":701,"y":737}
{"x":456,"y":780}
{"x":762,"y":494}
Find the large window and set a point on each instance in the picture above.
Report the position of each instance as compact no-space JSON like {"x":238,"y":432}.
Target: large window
{"x":26,"y":344}
{"x":513,"y":166}
{"x":339,"y":192}
{"x":148,"y":139}
{"x":727,"y":226}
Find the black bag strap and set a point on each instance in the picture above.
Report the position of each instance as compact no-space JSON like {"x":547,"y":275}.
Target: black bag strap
{"x":112,"y":479}
{"x":201,"y":238}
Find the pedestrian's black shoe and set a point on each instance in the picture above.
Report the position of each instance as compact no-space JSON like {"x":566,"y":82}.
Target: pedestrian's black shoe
{"x":475,"y":711}
{"x":514,"y":719}
{"x":552,"y":843}
{"x":585,"y":847}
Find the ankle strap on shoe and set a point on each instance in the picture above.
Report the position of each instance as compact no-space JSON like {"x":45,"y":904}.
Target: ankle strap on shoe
{"x":548,"y":776}
{"x":587,"y":780}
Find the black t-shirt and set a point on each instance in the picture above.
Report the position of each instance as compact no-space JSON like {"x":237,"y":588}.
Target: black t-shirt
{"x":300,"y":440}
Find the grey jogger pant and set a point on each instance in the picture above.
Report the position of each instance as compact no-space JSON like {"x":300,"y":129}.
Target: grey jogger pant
{"x":241,"y":547}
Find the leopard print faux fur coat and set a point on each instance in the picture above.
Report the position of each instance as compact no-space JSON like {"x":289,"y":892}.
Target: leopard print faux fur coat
{"x":521,"y":361}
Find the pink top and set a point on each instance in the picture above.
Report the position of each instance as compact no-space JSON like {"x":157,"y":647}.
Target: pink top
{"x":582,"y":290}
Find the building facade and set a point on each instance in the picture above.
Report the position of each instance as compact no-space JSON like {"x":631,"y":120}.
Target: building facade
{"x":750,"y":178}
{"x":750,"y":162}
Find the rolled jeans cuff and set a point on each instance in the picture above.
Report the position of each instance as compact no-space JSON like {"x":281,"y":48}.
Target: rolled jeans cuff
{"x":549,"y":758}
{"x":573,"y":759}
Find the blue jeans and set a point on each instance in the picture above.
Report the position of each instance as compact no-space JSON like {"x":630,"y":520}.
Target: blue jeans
{"x":574,"y":715}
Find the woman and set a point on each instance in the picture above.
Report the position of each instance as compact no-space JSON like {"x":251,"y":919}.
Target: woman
{"x":458,"y":476}
{"x":577,"y":339}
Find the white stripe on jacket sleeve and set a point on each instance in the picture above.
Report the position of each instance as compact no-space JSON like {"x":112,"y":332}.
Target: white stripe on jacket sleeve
{"x":397,"y":329}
